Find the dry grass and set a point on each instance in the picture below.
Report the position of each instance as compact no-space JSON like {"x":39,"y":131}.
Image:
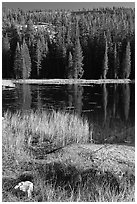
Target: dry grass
{"x":58,"y":127}
{"x":66,"y":175}
{"x":22,"y":131}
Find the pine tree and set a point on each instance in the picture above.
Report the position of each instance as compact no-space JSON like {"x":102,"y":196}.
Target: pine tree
{"x":60,"y":44}
{"x":68,"y":37}
{"x":105,"y":65}
{"x":63,"y":50}
{"x":69,"y":68}
{"x":5,"y":44}
{"x":77,"y":63}
{"x":38,"y":56}
{"x":45,"y":51}
{"x":18,"y":62}
{"x":29,"y":35}
{"x":26,"y":61}
{"x":127,"y":62}
{"x":44,"y":47}
{"x":5,"y":56}
{"x":77,"y":57}
{"x":116,"y":61}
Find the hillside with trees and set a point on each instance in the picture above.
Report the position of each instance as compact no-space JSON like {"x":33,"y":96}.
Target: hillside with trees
{"x":88,"y":44}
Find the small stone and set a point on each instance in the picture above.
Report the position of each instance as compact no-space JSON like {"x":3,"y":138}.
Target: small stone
{"x":25,"y":186}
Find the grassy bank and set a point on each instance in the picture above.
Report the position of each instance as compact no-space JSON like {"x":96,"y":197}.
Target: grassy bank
{"x":52,"y":150}
{"x":51,"y":130}
{"x":67,"y":81}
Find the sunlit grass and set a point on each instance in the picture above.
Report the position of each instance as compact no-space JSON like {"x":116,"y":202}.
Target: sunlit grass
{"x":55,"y":128}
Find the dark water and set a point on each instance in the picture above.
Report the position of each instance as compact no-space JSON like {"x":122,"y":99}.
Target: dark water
{"x":110,"y":109}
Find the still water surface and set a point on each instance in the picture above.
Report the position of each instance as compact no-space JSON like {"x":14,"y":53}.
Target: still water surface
{"x":109,"y":108}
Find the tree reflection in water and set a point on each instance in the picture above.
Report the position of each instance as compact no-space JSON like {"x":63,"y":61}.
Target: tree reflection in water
{"x":108,"y":108}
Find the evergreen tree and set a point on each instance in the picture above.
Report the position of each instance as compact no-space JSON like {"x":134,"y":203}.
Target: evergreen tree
{"x":21,"y":20}
{"x":60,"y":43}
{"x":116,"y":61}
{"x":29,"y":35}
{"x":5,"y":45}
{"x":63,"y":50}
{"x":127,"y":62}
{"x":77,"y":57}
{"x":69,"y":68}
{"x":105,"y":65}
{"x":38,"y":56}
{"x":44,"y":47}
{"x":26,"y":61}
{"x":63,"y":47}
{"x":18,"y":62}
{"x":45,"y":51}
{"x":68,"y":37}
{"x":5,"y":56}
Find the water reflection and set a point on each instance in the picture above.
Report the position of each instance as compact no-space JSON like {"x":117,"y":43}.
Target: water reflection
{"x":75,"y":96}
{"x":119,"y":99}
{"x":105,"y":100}
{"x":126,"y":100}
{"x":108,"y":108}
{"x":27,"y":98}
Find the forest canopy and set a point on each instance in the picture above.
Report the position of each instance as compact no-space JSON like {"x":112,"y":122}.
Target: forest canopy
{"x":89,"y":44}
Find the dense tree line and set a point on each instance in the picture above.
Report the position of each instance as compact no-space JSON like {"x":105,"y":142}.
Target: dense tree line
{"x":93,"y":44}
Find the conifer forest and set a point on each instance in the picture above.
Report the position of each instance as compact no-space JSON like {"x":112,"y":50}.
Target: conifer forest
{"x":87,"y":44}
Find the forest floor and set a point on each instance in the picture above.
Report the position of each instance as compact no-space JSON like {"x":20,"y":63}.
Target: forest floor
{"x":55,"y":151}
{"x":64,"y":81}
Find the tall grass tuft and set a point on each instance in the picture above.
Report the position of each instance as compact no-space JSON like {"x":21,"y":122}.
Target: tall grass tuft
{"x":21,"y":130}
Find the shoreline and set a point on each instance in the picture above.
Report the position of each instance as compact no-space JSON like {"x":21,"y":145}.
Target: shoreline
{"x":6,"y":82}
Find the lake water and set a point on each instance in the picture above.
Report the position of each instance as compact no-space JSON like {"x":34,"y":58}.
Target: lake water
{"x":109,"y":108}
